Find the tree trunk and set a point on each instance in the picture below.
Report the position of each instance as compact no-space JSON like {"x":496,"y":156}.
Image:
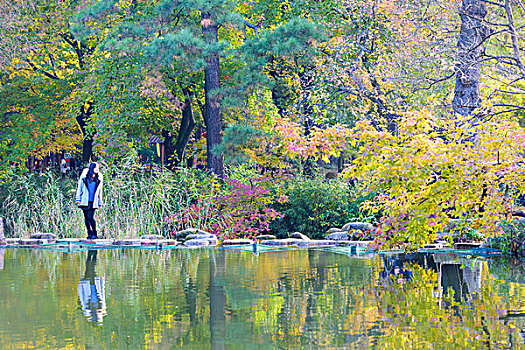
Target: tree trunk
{"x":470,"y":50}
{"x":306,"y":88}
{"x":2,"y":235}
{"x":186,"y":125}
{"x":212,"y":117}
{"x":87,"y":144}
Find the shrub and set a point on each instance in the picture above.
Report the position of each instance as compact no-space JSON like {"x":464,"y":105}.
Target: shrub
{"x":241,"y":209}
{"x":512,"y":239}
{"x":315,"y":205}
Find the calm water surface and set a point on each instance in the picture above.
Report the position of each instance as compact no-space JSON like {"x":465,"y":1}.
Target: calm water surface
{"x":294,"y":299}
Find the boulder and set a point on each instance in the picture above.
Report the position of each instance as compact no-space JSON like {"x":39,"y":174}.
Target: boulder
{"x":281,"y":242}
{"x":433,"y":246}
{"x":12,"y":241}
{"x":65,"y":240}
{"x":467,"y":245}
{"x":102,"y":241}
{"x":190,"y":231}
{"x":237,"y":241}
{"x":299,"y":235}
{"x":203,"y":242}
{"x":316,"y":243}
{"x":203,"y":235}
{"x":353,"y":243}
{"x":126,"y":242}
{"x":31,"y":242}
{"x":338,"y":236}
{"x":518,"y":220}
{"x":160,"y":242}
{"x":361,"y":226}
{"x":265,"y":237}
{"x":48,"y":236}
{"x":333,"y":230}
{"x":152,"y":237}
{"x":167,"y":242}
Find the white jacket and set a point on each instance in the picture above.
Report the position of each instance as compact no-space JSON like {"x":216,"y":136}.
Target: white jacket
{"x":82,"y":196}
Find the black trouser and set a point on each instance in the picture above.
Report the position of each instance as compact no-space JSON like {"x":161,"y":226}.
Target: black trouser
{"x":89,"y":220}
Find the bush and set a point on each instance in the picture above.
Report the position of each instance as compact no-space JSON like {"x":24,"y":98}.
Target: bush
{"x":240,"y":209}
{"x":512,"y":239}
{"x":315,"y":205}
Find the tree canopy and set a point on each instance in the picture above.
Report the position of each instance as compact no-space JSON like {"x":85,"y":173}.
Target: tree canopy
{"x":425,"y":97}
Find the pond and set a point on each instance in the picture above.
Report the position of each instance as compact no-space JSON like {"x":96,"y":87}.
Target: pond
{"x":289,"y":299}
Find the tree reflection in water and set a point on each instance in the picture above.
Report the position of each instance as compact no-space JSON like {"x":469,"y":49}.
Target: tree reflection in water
{"x":2,"y":253}
{"x":91,"y":291}
{"x":440,"y":301}
{"x":285,"y":299}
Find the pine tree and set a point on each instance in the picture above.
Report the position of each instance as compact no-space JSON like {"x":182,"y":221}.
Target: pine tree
{"x":187,"y":34}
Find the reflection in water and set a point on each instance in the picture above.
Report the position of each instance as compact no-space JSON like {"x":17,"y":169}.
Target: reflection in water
{"x":453,"y":274}
{"x":217,"y":302}
{"x":293,"y":299}
{"x":91,"y":291}
{"x":2,"y":253}
{"x":448,"y":300}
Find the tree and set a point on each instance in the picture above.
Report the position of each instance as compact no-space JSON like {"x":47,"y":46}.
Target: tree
{"x":470,"y":50}
{"x":40,"y":47}
{"x":197,"y":36}
{"x":431,"y":171}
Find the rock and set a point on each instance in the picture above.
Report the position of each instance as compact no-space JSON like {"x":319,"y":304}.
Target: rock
{"x":201,"y":242}
{"x":65,"y":240}
{"x":160,"y":242}
{"x":265,"y":237}
{"x":48,"y":236}
{"x":467,"y":245}
{"x":361,"y":226}
{"x":171,"y":242}
{"x":338,"y":236}
{"x":281,"y":242}
{"x":353,"y":243}
{"x":433,"y":246}
{"x":152,"y":237}
{"x":298,"y":242}
{"x":102,"y":241}
{"x":31,"y":242}
{"x":126,"y":242}
{"x":316,"y":243}
{"x":12,"y":241}
{"x":204,"y":235}
{"x":237,"y":241}
{"x":333,"y":230}
{"x":97,"y":241}
{"x":299,"y":235}
{"x":191,"y":231}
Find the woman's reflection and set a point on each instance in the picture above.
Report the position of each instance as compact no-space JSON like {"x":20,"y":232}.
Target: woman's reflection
{"x":91,"y":291}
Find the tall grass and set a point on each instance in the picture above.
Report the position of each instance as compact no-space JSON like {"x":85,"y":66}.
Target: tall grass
{"x":134,"y":203}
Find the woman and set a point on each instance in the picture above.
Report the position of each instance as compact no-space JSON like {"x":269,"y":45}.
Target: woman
{"x":89,"y":196}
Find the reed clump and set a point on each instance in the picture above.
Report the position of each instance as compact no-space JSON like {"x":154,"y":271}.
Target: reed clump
{"x":134,"y":202}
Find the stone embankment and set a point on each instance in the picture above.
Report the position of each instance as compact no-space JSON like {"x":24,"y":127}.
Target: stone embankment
{"x":354,"y":234}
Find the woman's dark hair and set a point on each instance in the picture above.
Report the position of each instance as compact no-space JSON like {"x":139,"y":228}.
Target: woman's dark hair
{"x":91,"y":173}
